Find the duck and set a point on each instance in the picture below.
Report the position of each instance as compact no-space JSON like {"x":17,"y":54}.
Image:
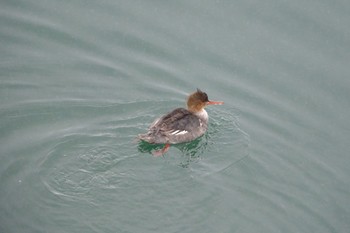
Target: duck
{"x":181,"y":124}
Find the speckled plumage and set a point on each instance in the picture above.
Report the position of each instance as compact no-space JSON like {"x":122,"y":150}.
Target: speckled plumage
{"x":181,"y":125}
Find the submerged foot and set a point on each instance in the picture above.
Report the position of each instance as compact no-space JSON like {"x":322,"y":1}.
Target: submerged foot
{"x":162,"y":151}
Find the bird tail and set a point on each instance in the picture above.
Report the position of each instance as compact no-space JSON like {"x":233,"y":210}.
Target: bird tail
{"x":145,"y":137}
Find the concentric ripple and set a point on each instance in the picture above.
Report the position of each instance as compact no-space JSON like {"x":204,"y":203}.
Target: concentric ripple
{"x":73,"y":168}
{"x":84,"y":160}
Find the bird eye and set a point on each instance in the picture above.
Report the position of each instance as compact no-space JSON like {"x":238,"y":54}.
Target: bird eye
{"x":206,"y":97}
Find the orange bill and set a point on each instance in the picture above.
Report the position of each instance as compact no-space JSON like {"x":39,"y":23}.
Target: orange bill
{"x":215,"y":102}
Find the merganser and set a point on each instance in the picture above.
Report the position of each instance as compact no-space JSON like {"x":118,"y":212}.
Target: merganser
{"x":180,"y":125}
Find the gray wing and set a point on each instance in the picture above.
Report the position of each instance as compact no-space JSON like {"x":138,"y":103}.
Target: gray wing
{"x":179,"y":119}
{"x":180,"y":125}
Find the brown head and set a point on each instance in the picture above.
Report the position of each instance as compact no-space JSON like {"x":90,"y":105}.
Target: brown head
{"x":198,"y":100}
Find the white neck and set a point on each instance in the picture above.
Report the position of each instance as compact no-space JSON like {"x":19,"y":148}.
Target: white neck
{"x":202,"y":115}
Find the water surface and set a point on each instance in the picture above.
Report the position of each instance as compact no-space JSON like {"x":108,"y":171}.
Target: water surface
{"x":80,"y":79}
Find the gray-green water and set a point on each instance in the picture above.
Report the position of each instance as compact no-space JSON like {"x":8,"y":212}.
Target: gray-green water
{"x":80,"y":79}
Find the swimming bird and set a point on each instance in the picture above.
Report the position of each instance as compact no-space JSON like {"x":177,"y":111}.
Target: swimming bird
{"x":180,"y":125}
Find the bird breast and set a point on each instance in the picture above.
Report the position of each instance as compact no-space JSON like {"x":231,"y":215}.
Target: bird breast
{"x":203,"y":115}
